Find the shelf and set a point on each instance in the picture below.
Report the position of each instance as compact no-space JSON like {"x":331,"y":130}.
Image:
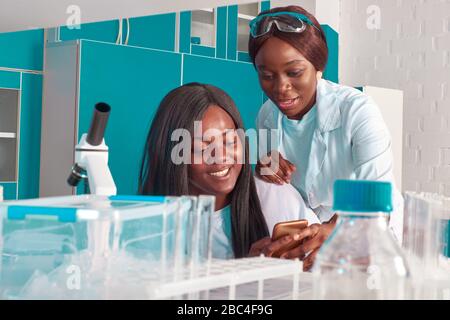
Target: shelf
{"x":8,"y":135}
{"x":240,"y":15}
{"x":206,"y":10}
{"x":245,"y":17}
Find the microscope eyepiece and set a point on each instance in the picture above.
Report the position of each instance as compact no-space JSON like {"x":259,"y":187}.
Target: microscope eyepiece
{"x":91,"y":143}
{"x":98,"y":125}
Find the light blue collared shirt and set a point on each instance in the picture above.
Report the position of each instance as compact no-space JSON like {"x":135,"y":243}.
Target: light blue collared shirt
{"x":222,"y":247}
{"x":297,"y":137}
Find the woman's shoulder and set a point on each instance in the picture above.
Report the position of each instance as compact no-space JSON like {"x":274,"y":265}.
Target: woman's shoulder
{"x":354,"y":105}
{"x":345,"y":96}
{"x":267,"y":190}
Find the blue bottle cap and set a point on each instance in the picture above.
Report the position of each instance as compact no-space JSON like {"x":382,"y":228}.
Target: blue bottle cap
{"x":362,"y":196}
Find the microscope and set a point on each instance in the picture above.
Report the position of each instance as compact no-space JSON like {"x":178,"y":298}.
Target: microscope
{"x":91,"y":163}
{"x":91,"y":156}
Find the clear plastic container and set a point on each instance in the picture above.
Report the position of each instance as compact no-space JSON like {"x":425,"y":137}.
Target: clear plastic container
{"x":426,"y":232}
{"x":361,"y":259}
{"x":96,"y":247}
{"x":427,"y":243}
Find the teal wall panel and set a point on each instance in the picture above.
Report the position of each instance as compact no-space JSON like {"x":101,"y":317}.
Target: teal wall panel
{"x":9,"y":191}
{"x":203,"y":51}
{"x":232,"y":32}
{"x":244,"y":57}
{"x":30,"y":136}
{"x":185,"y":32}
{"x":246,"y":92}
{"x":332,"y":70}
{"x":22,"y":50}
{"x":100,"y":31}
{"x":157,"y":32}
{"x":221,"y":33}
{"x":133,"y":81}
{"x":9,"y":79}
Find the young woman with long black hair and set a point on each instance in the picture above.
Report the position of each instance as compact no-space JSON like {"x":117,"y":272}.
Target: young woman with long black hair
{"x":239,"y":220}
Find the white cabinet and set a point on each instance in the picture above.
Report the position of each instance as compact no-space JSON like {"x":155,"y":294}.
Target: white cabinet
{"x":390,"y":103}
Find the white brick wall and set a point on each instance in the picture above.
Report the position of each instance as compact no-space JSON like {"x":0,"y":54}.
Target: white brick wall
{"x":410,"y":52}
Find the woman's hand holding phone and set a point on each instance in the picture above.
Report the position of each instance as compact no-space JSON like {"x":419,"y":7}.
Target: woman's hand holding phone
{"x":284,"y":238}
{"x":267,"y":247}
{"x":311,"y":239}
{"x":295,"y":239}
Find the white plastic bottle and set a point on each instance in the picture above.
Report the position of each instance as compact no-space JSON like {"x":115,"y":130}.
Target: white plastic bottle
{"x":361,"y":259}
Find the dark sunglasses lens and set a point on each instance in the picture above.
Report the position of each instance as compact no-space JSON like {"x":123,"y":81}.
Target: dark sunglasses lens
{"x":263,"y":26}
{"x":286,"y":22}
{"x":291,"y":21}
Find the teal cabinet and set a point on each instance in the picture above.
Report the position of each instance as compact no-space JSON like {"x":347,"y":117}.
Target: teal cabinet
{"x":82,"y":73}
{"x":30,"y":136}
{"x":232,"y":39}
{"x":156,"y":31}
{"x":221,"y":32}
{"x":101,"y":31}
{"x":9,"y":190}
{"x":332,"y":69}
{"x":185,"y":32}
{"x":265,"y":5}
{"x":9,"y":80}
{"x":22,"y":50}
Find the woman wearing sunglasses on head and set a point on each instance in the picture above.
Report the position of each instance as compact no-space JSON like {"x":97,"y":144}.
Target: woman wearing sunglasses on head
{"x":325,"y":131}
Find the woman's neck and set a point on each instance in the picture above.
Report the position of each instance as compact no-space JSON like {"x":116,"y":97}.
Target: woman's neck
{"x":222,"y":200}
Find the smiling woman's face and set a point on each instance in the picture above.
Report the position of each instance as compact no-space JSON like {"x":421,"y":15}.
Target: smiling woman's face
{"x":287,"y":78}
{"x":214,"y":173}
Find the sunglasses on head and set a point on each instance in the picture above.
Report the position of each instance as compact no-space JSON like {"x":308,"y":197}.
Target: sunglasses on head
{"x":284,"y":21}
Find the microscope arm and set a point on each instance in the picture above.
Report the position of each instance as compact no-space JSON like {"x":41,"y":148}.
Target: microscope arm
{"x":100,"y":179}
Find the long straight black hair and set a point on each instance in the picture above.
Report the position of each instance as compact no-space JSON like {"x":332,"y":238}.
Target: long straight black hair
{"x":179,"y":109}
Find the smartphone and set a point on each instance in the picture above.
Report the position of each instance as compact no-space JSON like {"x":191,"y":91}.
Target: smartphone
{"x":282,"y":229}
